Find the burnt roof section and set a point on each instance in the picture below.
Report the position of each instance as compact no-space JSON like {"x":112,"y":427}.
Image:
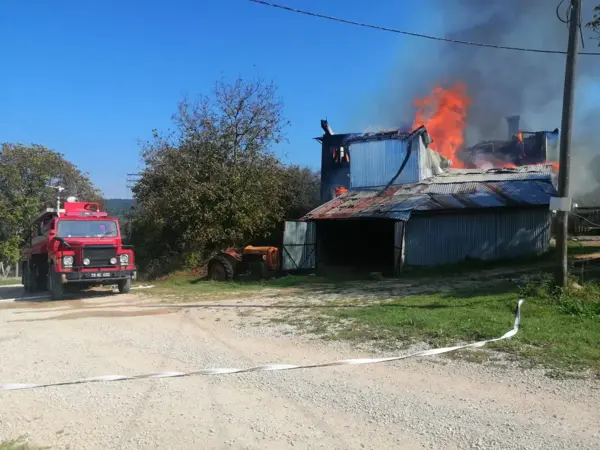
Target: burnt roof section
{"x":454,"y":190}
{"x":382,"y":136}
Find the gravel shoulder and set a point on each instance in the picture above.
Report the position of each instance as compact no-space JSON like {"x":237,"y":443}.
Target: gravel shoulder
{"x":429,"y":403}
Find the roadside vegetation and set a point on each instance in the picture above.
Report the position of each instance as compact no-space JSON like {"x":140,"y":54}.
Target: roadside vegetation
{"x":560,"y":329}
{"x":19,"y":444}
{"x":211,"y":182}
{"x":189,"y":287}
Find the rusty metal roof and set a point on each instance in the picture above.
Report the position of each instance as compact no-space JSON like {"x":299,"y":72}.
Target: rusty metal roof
{"x":454,"y":190}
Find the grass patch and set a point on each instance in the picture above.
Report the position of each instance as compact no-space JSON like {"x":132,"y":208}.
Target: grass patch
{"x":189,"y":285}
{"x":10,"y":281}
{"x":19,"y":444}
{"x":559,"y":329}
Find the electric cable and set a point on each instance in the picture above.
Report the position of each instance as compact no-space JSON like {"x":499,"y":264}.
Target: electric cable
{"x":420,"y":35}
{"x":585,"y":219}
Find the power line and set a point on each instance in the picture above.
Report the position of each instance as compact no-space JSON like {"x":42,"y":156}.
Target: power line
{"x":420,"y":35}
{"x":585,"y":219}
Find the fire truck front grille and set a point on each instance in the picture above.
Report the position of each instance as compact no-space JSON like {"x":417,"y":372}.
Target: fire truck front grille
{"x":99,"y":255}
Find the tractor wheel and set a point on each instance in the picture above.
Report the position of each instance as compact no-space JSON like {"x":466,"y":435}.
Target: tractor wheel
{"x":124,"y":286}
{"x":57,"y":290}
{"x":220,"y":269}
{"x":257,"y":270}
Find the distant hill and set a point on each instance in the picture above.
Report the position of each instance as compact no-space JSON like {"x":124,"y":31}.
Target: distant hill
{"x":118,"y":207}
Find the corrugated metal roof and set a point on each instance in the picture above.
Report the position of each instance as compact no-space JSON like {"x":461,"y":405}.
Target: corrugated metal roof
{"x":472,"y":190}
{"x":387,"y":135}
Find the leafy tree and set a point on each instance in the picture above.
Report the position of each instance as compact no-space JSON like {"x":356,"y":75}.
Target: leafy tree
{"x":594,"y":24}
{"x":26,"y":176}
{"x":213,"y":182}
{"x":301,"y":193}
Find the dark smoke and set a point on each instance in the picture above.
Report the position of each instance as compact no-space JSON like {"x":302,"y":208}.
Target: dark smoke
{"x":501,"y":82}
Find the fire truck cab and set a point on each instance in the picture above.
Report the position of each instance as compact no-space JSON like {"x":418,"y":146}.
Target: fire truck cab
{"x":77,"y":245}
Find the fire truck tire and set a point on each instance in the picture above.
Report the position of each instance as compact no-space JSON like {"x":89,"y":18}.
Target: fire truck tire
{"x":29,"y":279}
{"x":220,"y":269}
{"x":56,"y":288}
{"x":124,"y":286}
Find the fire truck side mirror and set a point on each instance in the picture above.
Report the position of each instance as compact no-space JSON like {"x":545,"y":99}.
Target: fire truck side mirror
{"x":62,"y":242}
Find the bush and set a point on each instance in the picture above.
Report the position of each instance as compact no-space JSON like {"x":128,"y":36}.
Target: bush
{"x":575,"y":300}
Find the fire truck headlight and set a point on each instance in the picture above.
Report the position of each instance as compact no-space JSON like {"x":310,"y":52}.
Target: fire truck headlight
{"x":113,"y":261}
{"x":68,"y":261}
{"x":86,"y":262}
{"x":124,"y":259}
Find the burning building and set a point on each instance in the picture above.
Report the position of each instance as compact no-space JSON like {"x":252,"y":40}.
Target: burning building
{"x":521,"y":148}
{"x":335,"y":163}
{"x":399,"y":202}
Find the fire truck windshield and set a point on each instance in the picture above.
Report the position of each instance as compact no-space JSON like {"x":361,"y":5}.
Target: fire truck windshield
{"x":86,"y":228}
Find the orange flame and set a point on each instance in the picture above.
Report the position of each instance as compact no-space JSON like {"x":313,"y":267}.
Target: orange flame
{"x":444,"y":113}
{"x":555,"y":166}
{"x":339,"y":190}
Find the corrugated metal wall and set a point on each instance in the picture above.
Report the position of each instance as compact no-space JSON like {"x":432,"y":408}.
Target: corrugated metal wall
{"x":299,"y":245}
{"x":446,"y":239}
{"x":374,"y":163}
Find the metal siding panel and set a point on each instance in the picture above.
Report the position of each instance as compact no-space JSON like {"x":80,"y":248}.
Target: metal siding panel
{"x":523,"y":232}
{"x":438,"y":240}
{"x":375,"y":163}
{"x":299,"y":245}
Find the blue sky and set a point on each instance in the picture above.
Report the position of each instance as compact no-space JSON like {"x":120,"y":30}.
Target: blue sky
{"x":92,"y":79}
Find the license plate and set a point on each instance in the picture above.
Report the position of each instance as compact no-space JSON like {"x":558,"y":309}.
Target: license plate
{"x":100,"y":274}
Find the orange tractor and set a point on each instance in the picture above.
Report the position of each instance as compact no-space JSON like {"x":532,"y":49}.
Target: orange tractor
{"x":253,"y":263}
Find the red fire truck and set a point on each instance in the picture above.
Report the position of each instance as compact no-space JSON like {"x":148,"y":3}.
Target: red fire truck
{"x":79,"y":245}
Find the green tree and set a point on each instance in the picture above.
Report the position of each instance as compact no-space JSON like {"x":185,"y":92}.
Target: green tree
{"x":26,"y":176}
{"x":214,"y":181}
{"x":594,"y":24}
{"x":301,"y":191}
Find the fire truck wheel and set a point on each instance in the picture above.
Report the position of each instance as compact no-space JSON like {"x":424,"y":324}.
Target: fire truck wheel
{"x":124,"y":286}
{"x":29,"y":280}
{"x":25,"y":277}
{"x":56,"y":288}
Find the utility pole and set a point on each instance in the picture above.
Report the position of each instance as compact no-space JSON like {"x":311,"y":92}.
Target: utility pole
{"x":562,"y":274}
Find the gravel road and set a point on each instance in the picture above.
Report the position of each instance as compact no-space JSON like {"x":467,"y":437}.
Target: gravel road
{"x":435,"y":403}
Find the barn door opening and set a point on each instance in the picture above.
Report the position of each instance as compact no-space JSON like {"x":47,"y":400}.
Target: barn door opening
{"x":299,"y":245}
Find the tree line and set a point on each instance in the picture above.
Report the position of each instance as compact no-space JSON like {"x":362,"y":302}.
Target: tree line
{"x":212,"y":182}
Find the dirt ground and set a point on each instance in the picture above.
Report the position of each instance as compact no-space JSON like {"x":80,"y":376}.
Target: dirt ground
{"x":414,"y":404}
